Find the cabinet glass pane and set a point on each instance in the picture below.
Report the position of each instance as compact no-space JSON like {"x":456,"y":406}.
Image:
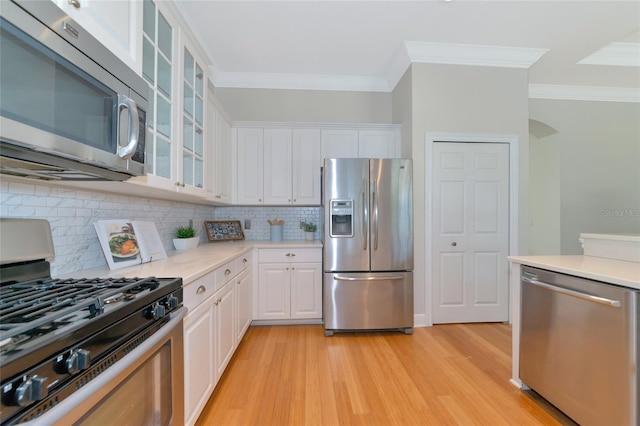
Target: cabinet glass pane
{"x":164,"y":76}
{"x":199,"y":109}
{"x":188,"y":100}
{"x":199,"y":81}
{"x":199,"y":148}
{"x":151,"y":112}
{"x":187,"y":142}
{"x":163,"y":158}
{"x":149,"y":19}
{"x":163,"y":116}
{"x":188,"y":67}
{"x":148,"y":60}
{"x":164,"y":36}
{"x":199,"y":173}
{"x":187,"y":168}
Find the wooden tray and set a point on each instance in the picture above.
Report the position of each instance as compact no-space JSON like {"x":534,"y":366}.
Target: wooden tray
{"x":223,"y":230}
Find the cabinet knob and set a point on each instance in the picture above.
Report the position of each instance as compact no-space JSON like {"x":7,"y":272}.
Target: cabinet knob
{"x":74,"y":3}
{"x":454,"y":244}
{"x":217,"y":196}
{"x":260,"y":199}
{"x":227,"y":271}
{"x":244,"y":260}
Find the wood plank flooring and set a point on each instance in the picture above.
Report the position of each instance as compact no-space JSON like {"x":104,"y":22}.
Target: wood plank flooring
{"x":454,"y":374}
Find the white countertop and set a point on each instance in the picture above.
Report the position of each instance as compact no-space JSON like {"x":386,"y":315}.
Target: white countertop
{"x":612,"y":271}
{"x":192,"y":264}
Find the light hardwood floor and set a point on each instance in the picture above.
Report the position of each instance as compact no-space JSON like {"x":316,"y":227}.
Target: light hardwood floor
{"x":443,"y":375}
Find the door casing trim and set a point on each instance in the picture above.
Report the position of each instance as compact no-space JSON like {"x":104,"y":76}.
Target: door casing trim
{"x":514,"y":170}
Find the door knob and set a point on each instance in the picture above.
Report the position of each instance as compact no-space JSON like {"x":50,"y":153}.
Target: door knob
{"x":454,"y":244}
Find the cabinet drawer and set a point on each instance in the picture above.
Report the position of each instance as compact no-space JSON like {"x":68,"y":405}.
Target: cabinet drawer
{"x":243,"y":262}
{"x":225,"y":273}
{"x":198,"y":291}
{"x":290,"y":255}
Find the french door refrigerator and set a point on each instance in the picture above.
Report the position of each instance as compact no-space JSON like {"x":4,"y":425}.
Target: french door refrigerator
{"x":368,"y":245}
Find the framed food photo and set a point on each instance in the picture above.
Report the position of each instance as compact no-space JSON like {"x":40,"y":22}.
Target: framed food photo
{"x":224,"y":230}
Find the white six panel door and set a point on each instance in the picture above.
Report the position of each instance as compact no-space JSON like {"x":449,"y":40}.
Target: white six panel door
{"x":470,"y":232}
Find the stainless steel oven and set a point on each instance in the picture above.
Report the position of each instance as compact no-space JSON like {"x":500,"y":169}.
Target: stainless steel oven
{"x":70,"y":109}
{"x":85,"y":350}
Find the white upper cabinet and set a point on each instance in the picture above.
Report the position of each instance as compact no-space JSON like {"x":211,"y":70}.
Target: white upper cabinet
{"x":221,"y":189}
{"x":192,"y":151}
{"x":378,"y":144}
{"x":250,"y":148}
{"x":278,"y":166}
{"x":116,"y":24}
{"x":339,"y":144}
{"x":305,"y":167}
{"x":361,"y":143}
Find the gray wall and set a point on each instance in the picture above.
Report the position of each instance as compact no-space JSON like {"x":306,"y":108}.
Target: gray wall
{"x":305,"y":105}
{"x":402,"y":99}
{"x":465,"y":99}
{"x":598,"y":150}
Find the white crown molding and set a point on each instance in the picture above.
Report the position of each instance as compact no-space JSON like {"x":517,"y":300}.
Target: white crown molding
{"x":473,"y":54}
{"x":584,"y":93}
{"x":619,"y":54}
{"x":299,"y":81}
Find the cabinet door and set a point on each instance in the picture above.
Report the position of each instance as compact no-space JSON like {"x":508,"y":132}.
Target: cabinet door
{"x":223,"y":163}
{"x":199,"y":375}
{"x":305,"y":166}
{"x":273,"y":291}
{"x":225,"y":338}
{"x":306,"y":290}
{"x":116,"y":24}
{"x":243,"y":303}
{"x":378,"y":144}
{"x":277,"y":166}
{"x":250,"y":166}
{"x":339,"y":144}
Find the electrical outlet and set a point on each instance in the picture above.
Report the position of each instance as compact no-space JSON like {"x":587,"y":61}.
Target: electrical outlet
{"x":302,"y":222}
{"x":247,"y":224}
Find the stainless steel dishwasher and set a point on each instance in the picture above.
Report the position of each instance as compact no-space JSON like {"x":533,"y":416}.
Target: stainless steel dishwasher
{"x":579,"y":346}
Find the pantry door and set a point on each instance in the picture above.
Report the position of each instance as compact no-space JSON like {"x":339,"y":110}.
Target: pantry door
{"x":470,"y":232}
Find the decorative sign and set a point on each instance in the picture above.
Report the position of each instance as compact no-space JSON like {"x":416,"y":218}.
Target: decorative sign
{"x":223,"y":230}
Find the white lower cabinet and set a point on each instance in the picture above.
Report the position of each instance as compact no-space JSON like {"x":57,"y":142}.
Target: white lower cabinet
{"x":219,"y":314}
{"x":289,"y":284}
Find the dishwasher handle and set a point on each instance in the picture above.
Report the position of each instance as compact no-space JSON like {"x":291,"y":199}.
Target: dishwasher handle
{"x":573,"y":293}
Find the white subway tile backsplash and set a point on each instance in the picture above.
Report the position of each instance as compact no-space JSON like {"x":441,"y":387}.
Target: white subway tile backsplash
{"x":72,"y":214}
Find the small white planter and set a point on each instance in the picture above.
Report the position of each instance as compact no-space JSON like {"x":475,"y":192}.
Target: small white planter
{"x":182,"y":244}
{"x":309,"y":236}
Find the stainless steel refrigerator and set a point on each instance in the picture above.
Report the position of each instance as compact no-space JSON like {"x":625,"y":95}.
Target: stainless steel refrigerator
{"x":368,"y":245}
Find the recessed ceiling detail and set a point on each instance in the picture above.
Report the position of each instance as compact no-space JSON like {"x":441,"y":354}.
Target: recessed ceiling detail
{"x":584,"y":93}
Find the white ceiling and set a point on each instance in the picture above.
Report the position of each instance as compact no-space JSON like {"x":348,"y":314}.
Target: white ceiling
{"x":367,"y":45}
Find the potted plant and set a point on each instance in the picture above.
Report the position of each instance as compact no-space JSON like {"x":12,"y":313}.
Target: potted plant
{"x":186,"y":238}
{"x":309,"y":230}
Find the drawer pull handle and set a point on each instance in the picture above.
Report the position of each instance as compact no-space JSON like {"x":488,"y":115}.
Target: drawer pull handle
{"x":290,"y":254}
{"x":227,"y":271}
{"x":244,"y":260}
{"x":201,"y":290}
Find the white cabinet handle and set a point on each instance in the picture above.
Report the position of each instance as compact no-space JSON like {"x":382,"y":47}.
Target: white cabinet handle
{"x":201,"y":289}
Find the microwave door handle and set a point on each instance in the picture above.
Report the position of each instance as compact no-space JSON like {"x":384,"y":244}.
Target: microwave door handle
{"x":127,"y":151}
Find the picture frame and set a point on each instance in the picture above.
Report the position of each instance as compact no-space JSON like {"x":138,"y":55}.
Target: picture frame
{"x":223,"y":230}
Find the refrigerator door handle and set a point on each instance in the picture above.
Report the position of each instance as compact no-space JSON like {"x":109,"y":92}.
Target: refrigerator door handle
{"x":375,"y":214}
{"x":365,"y":215}
{"x":376,"y":278}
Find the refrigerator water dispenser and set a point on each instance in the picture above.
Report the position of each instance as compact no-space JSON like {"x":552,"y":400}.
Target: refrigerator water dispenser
{"x":341,"y":224}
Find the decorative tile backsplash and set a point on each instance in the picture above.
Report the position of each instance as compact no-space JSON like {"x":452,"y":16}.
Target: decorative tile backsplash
{"x":72,"y":213}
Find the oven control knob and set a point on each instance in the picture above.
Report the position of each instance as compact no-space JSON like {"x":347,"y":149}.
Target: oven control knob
{"x":172,"y":302}
{"x":78,"y":360}
{"x":31,"y":390}
{"x":155,"y":311}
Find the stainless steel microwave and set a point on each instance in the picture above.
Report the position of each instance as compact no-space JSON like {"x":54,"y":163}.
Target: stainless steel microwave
{"x":69,"y":109}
